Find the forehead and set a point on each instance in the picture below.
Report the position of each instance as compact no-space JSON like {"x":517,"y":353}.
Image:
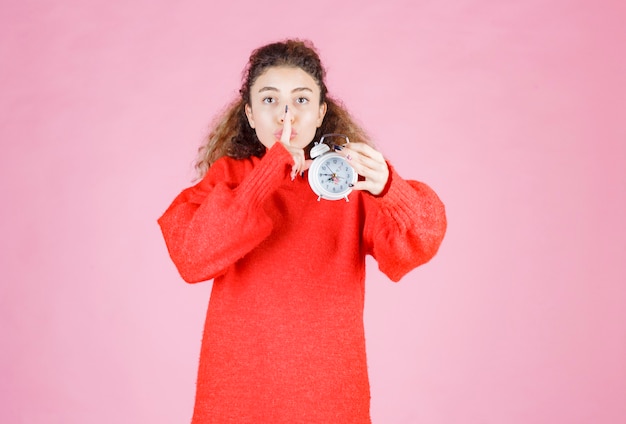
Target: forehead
{"x":285,"y":78}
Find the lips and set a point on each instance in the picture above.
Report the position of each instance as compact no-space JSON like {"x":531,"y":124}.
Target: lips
{"x":279,"y":134}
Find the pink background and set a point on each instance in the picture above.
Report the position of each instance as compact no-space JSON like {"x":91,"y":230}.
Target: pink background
{"x":514,"y":111}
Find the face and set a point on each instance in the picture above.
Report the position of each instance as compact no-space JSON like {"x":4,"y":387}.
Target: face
{"x":283,"y":86}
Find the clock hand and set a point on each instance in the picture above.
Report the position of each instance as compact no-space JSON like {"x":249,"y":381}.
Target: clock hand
{"x":331,"y":169}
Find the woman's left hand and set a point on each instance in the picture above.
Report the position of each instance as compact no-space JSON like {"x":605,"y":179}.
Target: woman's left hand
{"x":370,"y":164}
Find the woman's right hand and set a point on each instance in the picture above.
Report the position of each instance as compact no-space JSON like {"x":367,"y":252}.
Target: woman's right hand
{"x":300,"y":164}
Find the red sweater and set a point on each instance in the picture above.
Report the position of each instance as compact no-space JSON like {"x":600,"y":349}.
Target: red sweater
{"x":283,"y":338}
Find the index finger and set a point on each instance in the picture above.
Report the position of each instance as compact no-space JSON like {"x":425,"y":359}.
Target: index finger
{"x":364,"y":149}
{"x":286,"y":134}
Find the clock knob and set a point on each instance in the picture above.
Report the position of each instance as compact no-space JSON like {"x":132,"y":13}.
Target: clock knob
{"x":319,"y":149}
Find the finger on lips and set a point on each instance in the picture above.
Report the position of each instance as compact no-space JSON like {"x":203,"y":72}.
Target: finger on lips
{"x":286,"y":135}
{"x":284,"y":138}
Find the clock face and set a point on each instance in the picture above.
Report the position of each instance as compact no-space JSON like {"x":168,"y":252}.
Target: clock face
{"x":332,"y":176}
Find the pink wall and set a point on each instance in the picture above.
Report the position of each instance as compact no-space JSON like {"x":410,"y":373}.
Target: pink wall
{"x":515,"y":112}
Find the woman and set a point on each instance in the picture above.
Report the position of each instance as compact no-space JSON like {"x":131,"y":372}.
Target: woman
{"x":284,"y":338}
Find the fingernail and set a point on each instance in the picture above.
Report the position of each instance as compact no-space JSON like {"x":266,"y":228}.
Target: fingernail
{"x":348,"y":157}
{"x":350,"y":185}
{"x":338,"y":147}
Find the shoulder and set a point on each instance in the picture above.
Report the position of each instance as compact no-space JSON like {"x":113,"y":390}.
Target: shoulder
{"x":224,"y":171}
{"x":228,"y":170}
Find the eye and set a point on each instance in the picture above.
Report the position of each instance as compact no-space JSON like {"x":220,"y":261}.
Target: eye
{"x":269,"y":100}
{"x":302,"y":100}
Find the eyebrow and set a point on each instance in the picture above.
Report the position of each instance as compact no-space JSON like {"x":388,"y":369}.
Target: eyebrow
{"x":295,"y":90}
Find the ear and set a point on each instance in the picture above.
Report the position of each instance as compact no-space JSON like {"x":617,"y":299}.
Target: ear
{"x":322,"y":113}
{"x":248,"y":111}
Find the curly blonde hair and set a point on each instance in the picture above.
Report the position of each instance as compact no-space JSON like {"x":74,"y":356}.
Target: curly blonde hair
{"x":231,"y":134}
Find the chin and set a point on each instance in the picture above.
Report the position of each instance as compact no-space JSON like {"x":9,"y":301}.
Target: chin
{"x":302,"y":144}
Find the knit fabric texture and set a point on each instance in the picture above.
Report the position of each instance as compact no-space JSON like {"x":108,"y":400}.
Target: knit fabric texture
{"x":284,"y":338}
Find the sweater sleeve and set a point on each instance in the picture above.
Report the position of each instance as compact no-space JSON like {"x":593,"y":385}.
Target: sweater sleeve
{"x":211,"y":225}
{"x":404,"y":227}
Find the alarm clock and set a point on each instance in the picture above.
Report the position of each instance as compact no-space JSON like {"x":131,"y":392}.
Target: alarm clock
{"x":330,"y":176}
